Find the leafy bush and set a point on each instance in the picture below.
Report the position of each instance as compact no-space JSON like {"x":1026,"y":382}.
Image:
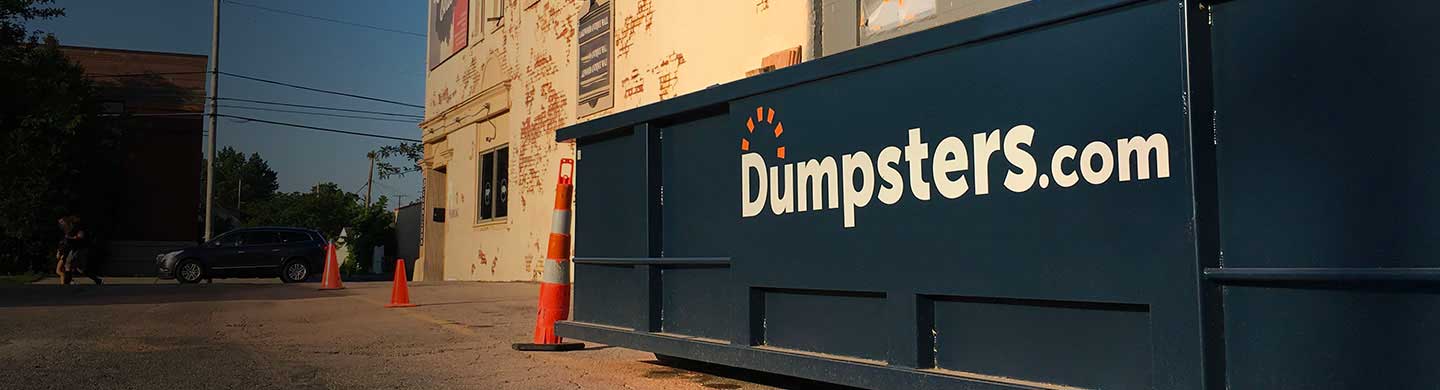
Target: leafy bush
{"x":373,"y":226}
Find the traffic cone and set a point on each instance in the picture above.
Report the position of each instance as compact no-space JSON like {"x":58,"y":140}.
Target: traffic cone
{"x":400,"y":293}
{"x":555,"y":283}
{"x":331,"y":279}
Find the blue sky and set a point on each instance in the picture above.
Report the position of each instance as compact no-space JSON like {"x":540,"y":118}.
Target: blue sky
{"x":284,"y":48}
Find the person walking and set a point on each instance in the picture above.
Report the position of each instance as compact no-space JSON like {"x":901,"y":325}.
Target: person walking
{"x":74,"y":252}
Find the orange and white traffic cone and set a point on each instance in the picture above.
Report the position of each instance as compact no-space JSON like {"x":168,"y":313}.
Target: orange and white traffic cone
{"x":400,"y":293}
{"x":331,"y":279}
{"x":555,"y":282}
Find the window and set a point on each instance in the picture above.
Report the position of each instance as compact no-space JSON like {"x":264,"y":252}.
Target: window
{"x":885,"y":19}
{"x":294,"y":237}
{"x":227,"y":239}
{"x":494,"y":14}
{"x":494,"y":184}
{"x":260,"y":238}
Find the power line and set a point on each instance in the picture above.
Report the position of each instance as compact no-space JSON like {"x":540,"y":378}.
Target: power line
{"x":321,"y":18}
{"x":151,"y":115}
{"x":275,"y":103}
{"x":321,"y":107}
{"x":320,"y":90}
{"x":117,"y":75}
{"x":319,"y":113}
{"x":319,"y":128}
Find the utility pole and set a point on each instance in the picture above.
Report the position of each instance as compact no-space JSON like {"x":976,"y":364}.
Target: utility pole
{"x":214,"y":120}
{"x":370,"y":179}
{"x":239,"y":183}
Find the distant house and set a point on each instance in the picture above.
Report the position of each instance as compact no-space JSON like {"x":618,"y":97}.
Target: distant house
{"x":156,"y":101}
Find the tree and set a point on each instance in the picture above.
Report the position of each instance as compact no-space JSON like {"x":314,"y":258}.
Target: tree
{"x":53,"y":149}
{"x":372,"y":226}
{"x":249,"y":178}
{"x":326,"y":208}
{"x":411,"y":153}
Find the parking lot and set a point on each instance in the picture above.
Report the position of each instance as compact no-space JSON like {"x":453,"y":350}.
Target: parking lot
{"x":142,"y":334}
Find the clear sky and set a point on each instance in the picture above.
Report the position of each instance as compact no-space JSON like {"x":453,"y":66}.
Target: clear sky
{"x":285,"y":48}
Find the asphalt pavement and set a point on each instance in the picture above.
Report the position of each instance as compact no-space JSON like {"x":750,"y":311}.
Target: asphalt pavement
{"x":260,"y":334}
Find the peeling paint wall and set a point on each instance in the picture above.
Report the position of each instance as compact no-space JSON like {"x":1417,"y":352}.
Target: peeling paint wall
{"x":516,"y":84}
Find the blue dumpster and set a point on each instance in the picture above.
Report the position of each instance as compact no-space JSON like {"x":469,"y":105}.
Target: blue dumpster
{"x":1096,"y":194}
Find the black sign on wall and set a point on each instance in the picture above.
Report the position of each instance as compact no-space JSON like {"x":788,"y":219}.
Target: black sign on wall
{"x":594,"y":89}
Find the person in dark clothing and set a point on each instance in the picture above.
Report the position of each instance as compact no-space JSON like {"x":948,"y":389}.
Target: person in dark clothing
{"x":74,"y":254}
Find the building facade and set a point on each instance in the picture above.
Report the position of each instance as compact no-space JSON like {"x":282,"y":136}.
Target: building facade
{"x":154,"y":101}
{"x":505,"y":74}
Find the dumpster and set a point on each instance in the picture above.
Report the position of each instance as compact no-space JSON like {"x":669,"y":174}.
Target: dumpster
{"x":1058,"y":195}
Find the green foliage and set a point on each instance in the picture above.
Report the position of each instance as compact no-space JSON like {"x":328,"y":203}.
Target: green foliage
{"x":372,"y":226}
{"x":250,"y":178}
{"x":411,"y":153}
{"x":53,"y":148}
{"x":326,"y":208}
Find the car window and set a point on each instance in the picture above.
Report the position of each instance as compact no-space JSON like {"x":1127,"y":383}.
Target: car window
{"x":293,"y":237}
{"x":261,"y":238}
{"x":228,"y":239}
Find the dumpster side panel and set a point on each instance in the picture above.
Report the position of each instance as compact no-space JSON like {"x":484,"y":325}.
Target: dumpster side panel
{"x":975,"y":214}
{"x":607,"y":203}
{"x":697,"y":300}
{"x":1326,"y":143}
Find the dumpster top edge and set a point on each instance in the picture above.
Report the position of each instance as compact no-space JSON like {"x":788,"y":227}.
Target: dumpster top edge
{"x":1005,"y":21}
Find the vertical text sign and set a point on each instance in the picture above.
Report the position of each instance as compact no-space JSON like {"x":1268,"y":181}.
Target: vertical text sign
{"x":594,"y":78}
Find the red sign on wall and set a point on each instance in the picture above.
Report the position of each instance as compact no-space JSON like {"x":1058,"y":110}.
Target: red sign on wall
{"x":460,"y":26}
{"x":449,"y":29}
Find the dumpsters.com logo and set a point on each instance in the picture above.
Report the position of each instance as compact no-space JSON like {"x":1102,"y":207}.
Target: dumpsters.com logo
{"x":955,"y":168}
{"x":763,"y":117}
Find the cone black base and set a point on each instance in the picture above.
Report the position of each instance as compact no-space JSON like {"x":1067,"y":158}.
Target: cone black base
{"x":558,"y":347}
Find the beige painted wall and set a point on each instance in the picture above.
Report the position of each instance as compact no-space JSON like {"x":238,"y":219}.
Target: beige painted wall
{"x":515,"y":85}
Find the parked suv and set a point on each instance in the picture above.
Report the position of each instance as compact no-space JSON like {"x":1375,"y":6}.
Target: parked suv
{"x":293,"y":254}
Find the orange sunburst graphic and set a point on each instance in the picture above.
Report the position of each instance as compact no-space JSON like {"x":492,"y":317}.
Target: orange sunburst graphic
{"x":766,"y":116}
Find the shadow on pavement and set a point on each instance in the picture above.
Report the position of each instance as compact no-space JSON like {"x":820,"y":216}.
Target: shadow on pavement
{"x":672,"y":367}
{"x":163,"y":292}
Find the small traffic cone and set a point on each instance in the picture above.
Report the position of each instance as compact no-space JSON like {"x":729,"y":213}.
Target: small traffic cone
{"x":331,"y":279}
{"x":400,"y":293}
{"x":555,"y":281}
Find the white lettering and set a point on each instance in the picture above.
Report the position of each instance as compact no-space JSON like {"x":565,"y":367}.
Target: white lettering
{"x":950,"y":157}
{"x":984,"y":147}
{"x":857,"y":197}
{"x":1140,"y":148}
{"x":915,"y":153}
{"x":1087,"y":166}
{"x":1019,"y":158}
{"x":885,"y":162}
{"x":752,"y":162}
{"x":782,"y":200}
{"x":1064,"y":179}
{"x":817,"y":183}
{"x":815,"y":172}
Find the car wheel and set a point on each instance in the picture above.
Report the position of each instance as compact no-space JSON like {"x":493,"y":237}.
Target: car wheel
{"x":189,"y":271}
{"x":294,"y":271}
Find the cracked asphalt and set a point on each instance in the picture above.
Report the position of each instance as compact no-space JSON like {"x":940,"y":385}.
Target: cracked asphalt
{"x":260,"y":334}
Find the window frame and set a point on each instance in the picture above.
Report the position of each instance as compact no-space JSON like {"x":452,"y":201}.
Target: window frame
{"x":499,"y":210}
{"x":837,"y":29}
{"x":492,"y":9}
